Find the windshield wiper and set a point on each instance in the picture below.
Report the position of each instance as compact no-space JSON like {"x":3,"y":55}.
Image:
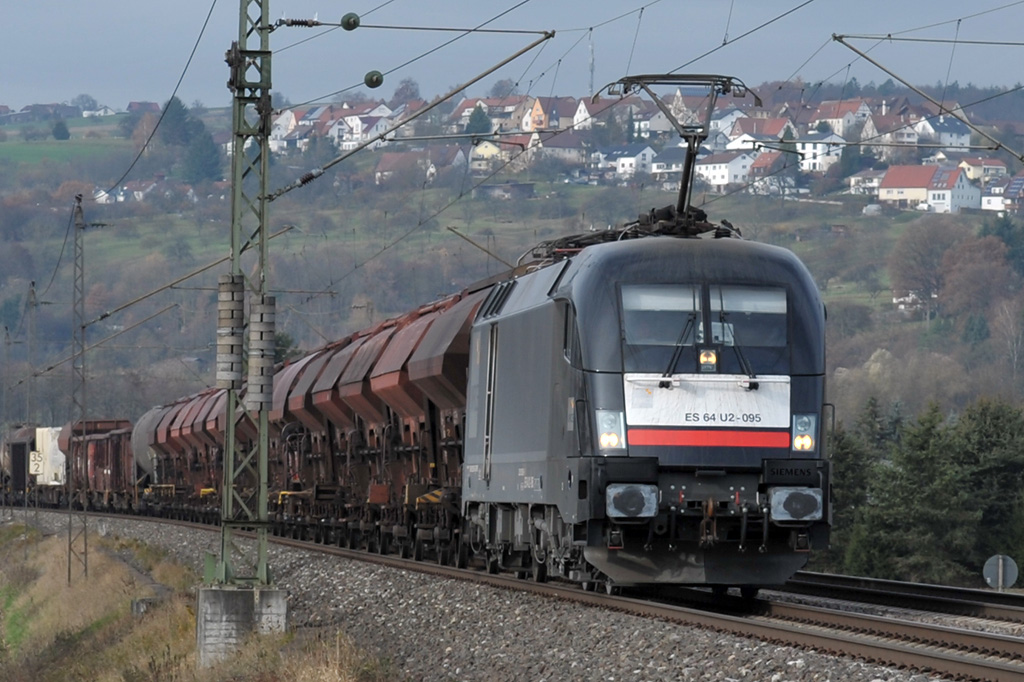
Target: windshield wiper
{"x":740,"y":357}
{"x":678,"y":350}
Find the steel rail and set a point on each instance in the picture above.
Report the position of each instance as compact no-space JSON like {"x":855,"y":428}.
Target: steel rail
{"x":934,"y":598}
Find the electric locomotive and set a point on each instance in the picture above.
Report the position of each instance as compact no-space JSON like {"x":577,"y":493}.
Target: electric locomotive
{"x":649,"y":410}
{"x":646,"y":405}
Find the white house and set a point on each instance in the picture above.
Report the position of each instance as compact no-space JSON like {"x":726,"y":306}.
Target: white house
{"x":625,"y":160}
{"x":950,"y":191}
{"x":992,"y":198}
{"x":668,"y":165}
{"x":724,"y":119}
{"x":866,"y":181}
{"x":726,"y":168}
{"x":841,"y":115}
{"x":753,"y":142}
{"x":948,"y":132}
{"x":818,"y":151}
{"x":103,"y":110}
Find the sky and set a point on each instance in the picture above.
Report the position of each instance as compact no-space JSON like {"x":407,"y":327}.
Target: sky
{"x":120,"y":51}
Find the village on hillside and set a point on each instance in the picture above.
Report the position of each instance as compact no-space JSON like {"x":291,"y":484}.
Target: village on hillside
{"x":905,"y":156}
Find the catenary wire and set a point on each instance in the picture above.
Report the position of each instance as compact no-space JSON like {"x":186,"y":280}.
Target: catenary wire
{"x":744,"y":35}
{"x":422,"y":55}
{"x":163,"y":113}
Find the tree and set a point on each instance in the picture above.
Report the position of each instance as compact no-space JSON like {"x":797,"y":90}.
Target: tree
{"x":279,"y":101}
{"x":174,"y":125}
{"x":920,"y":523}
{"x":479,"y":122}
{"x":1012,"y":234}
{"x":915,"y":263}
{"x":143,"y":130}
{"x":852,"y":464}
{"x":987,"y":444}
{"x":407,"y":90}
{"x":1008,"y":327}
{"x":976,"y":275}
{"x":202,"y":160}
{"x":60,"y":130}
{"x":506,"y":87}
{"x":85,"y":103}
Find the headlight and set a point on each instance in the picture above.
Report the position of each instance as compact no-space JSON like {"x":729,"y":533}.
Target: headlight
{"x":805,"y":427}
{"x":631,"y":500}
{"x":708,"y":360}
{"x":611,"y":429}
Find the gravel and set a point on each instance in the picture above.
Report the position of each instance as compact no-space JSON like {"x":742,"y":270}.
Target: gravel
{"x":452,"y":630}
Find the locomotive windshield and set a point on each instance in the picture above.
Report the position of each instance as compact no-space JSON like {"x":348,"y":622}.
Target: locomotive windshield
{"x":664,"y":328}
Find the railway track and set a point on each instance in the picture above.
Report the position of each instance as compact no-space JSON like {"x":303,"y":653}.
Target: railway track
{"x":960,"y":601}
{"x":949,"y":651}
{"x":953,"y":652}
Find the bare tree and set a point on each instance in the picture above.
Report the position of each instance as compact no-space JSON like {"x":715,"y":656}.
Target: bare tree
{"x":915,"y":263}
{"x":1009,"y":331}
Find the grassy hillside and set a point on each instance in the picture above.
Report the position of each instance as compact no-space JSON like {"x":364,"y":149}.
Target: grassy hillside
{"x":52,"y":631}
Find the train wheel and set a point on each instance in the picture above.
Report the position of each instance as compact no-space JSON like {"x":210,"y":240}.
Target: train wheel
{"x":417,"y":550}
{"x":444,"y":555}
{"x":384,"y":543}
{"x":719,"y":590}
{"x":403,"y":550}
{"x":748,"y":592}
{"x":610,"y":588}
{"x":462,"y":554}
{"x":353,"y":540}
{"x":540,"y":572}
{"x":492,"y":564}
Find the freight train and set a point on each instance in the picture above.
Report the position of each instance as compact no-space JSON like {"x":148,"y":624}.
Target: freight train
{"x":640,"y":405}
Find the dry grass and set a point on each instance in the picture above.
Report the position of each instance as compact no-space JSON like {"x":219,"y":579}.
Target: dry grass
{"x":53,"y":631}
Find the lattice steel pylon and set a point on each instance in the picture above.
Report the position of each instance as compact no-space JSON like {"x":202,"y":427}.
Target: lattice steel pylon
{"x":244,"y":494}
{"x":78,"y":523}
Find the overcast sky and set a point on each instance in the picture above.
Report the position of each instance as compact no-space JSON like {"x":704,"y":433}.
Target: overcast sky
{"x":120,"y":51}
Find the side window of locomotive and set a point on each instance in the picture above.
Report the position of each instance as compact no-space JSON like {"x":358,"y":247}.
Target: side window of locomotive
{"x":571,"y":349}
{"x":656,"y":318}
{"x":754,"y":320}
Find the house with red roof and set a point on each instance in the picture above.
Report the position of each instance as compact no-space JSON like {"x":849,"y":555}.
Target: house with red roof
{"x":937,"y":189}
{"x":768,"y":173}
{"x":587,"y":111}
{"x":775,"y":127}
{"x":905,"y":186}
{"x":841,"y":115}
{"x":551,"y":113}
{"x":983,"y":169}
{"x":506,"y":113}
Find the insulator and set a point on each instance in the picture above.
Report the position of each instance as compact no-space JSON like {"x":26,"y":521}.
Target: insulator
{"x":350,"y":21}
{"x":259,"y":394}
{"x":373,"y":79}
{"x":230,"y":326}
